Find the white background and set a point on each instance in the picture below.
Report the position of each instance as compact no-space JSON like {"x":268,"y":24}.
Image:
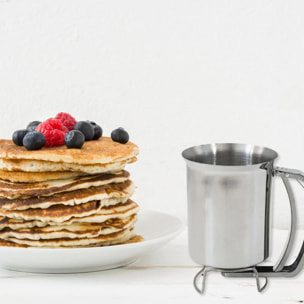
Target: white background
{"x":173,"y":73}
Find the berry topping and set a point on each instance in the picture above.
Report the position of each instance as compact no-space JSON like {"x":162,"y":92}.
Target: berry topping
{"x":54,"y":132}
{"x":18,"y":137}
{"x":34,"y":140}
{"x":33,"y":125}
{"x":86,"y":128}
{"x":63,"y":129}
{"x":97,"y":130}
{"x":67,"y":120}
{"x":74,"y":139}
{"x":120,"y":135}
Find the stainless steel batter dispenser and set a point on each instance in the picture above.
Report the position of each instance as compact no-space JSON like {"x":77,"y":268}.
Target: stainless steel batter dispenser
{"x":229,"y":195}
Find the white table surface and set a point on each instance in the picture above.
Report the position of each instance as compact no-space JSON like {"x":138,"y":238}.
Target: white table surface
{"x":164,"y":275}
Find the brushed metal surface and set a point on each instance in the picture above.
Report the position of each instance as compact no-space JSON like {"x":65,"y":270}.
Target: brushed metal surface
{"x":228,"y":192}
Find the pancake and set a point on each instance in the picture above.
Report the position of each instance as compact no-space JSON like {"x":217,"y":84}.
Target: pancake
{"x":6,"y":243}
{"x":27,"y":165}
{"x":58,"y":213}
{"x":101,"y":151}
{"x":58,"y":197}
{"x":120,"y":209}
{"x":16,"y":190}
{"x":134,"y":239}
{"x":61,"y":213}
{"x":76,"y":197}
{"x":33,"y":177}
{"x":101,"y":240}
{"x":76,"y":230}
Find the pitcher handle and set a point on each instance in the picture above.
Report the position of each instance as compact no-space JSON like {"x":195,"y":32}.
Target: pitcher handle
{"x":285,"y":174}
{"x":282,"y":270}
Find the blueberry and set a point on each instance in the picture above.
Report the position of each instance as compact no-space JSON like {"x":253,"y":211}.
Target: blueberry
{"x":97,"y":130}
{"x":74,"y":139}
{"x":32,"y":125}
{"x":86,"y":128}
{"x":120,"y":135}
{"x":18,"y":137}
{"x":34,"y":140}
{"x":91,"y":122}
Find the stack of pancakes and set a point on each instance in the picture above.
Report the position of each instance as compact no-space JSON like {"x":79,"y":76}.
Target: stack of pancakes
{"x":59,"y":197}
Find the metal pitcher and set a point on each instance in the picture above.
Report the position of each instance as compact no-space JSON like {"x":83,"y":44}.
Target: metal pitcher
{"x":229,"y":195}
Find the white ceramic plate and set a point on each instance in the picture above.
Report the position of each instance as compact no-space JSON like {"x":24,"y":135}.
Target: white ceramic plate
{"x":157,"y":229}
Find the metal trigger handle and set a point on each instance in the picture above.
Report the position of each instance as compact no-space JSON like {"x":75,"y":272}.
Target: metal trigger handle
{"x":291,"y":173}
{"x":298,"y":175}
{"x":281,"y":269}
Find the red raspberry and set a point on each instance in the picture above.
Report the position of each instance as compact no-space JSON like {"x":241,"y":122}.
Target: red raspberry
{"x":54,"y":132}
{"x":67,"y":120}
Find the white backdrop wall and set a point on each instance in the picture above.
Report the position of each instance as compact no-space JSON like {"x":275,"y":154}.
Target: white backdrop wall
{"x":173,"y":73}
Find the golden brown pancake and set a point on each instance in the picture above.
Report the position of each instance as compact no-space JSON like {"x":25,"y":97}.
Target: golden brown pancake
{"x":99,"y":214}
{"x":76,"y":197}
{"x":17,"y":190}
{"x":101,"y":240}
{"x":61,"y":213}
{"x":6,"y":243}
{"x":76,"y":230}
{"x":101,"y":151}
{"x":120,"y":210}
{"x":134,"y":239}
{"x":28,"y":165}
{"x":34,"y":177}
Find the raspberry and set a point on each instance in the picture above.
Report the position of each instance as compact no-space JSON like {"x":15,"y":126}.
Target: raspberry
{"x":67,"y":120}
{"x":54,"y":132}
